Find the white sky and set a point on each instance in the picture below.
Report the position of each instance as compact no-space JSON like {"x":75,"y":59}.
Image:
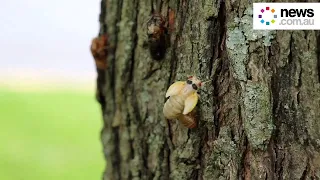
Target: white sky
{"x":48,"y":39}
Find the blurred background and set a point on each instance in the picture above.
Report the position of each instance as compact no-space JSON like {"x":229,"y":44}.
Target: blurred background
{"x":50,"y":121}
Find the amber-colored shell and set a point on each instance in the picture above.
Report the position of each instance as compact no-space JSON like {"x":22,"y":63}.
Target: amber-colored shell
{"x":99,"y":51}
{"x":188,"y":120}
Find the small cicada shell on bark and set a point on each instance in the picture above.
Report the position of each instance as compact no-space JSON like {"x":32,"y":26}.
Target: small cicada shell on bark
{"x":99,"y":51}
{"x":157,"y":36}
{"x":183,"y":98}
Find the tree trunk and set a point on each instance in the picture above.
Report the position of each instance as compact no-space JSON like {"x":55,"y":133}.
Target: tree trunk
{"x":257,"y":119}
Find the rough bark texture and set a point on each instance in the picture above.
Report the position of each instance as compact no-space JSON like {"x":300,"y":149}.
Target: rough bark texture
{"x":258,"y":119}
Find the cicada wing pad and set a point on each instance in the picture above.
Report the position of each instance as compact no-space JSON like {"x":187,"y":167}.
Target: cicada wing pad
{"x":175,"y":88}
{"x":188,"y":120}
{"x":190,"y":103}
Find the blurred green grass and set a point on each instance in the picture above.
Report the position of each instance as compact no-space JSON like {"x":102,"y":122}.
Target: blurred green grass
{"x":50,"y":135}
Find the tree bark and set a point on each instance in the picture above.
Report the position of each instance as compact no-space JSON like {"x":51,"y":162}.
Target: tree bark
{"x":257,"y":119}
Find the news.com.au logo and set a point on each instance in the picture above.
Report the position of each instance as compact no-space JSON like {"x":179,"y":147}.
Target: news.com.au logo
{"x":286,"y":16}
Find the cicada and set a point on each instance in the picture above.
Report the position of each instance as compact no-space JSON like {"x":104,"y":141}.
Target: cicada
{"x":183,"y":98}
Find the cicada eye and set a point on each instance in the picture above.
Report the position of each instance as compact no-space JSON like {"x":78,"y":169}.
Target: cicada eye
{"x":194,"y":86}
{"x":190,"y":77}
{"x":189,"y":82}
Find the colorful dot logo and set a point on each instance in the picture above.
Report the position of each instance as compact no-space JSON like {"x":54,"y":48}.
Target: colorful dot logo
{"x":265,"y":16}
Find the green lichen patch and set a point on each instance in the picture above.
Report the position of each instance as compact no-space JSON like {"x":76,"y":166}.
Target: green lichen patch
{"x":224,"y":159}
{"x":239,"y":33}
{"x":238,"y":52}
{"x":258,"y":122}
{"x":253,"y":35}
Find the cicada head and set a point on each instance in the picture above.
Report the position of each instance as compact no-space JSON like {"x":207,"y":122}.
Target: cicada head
{"x":194,"y":80}
{"x":192,"y":86}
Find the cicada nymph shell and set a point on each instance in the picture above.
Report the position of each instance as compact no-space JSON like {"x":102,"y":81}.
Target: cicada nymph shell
{"x":157,"y":36}
{"x":99,"y":51}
